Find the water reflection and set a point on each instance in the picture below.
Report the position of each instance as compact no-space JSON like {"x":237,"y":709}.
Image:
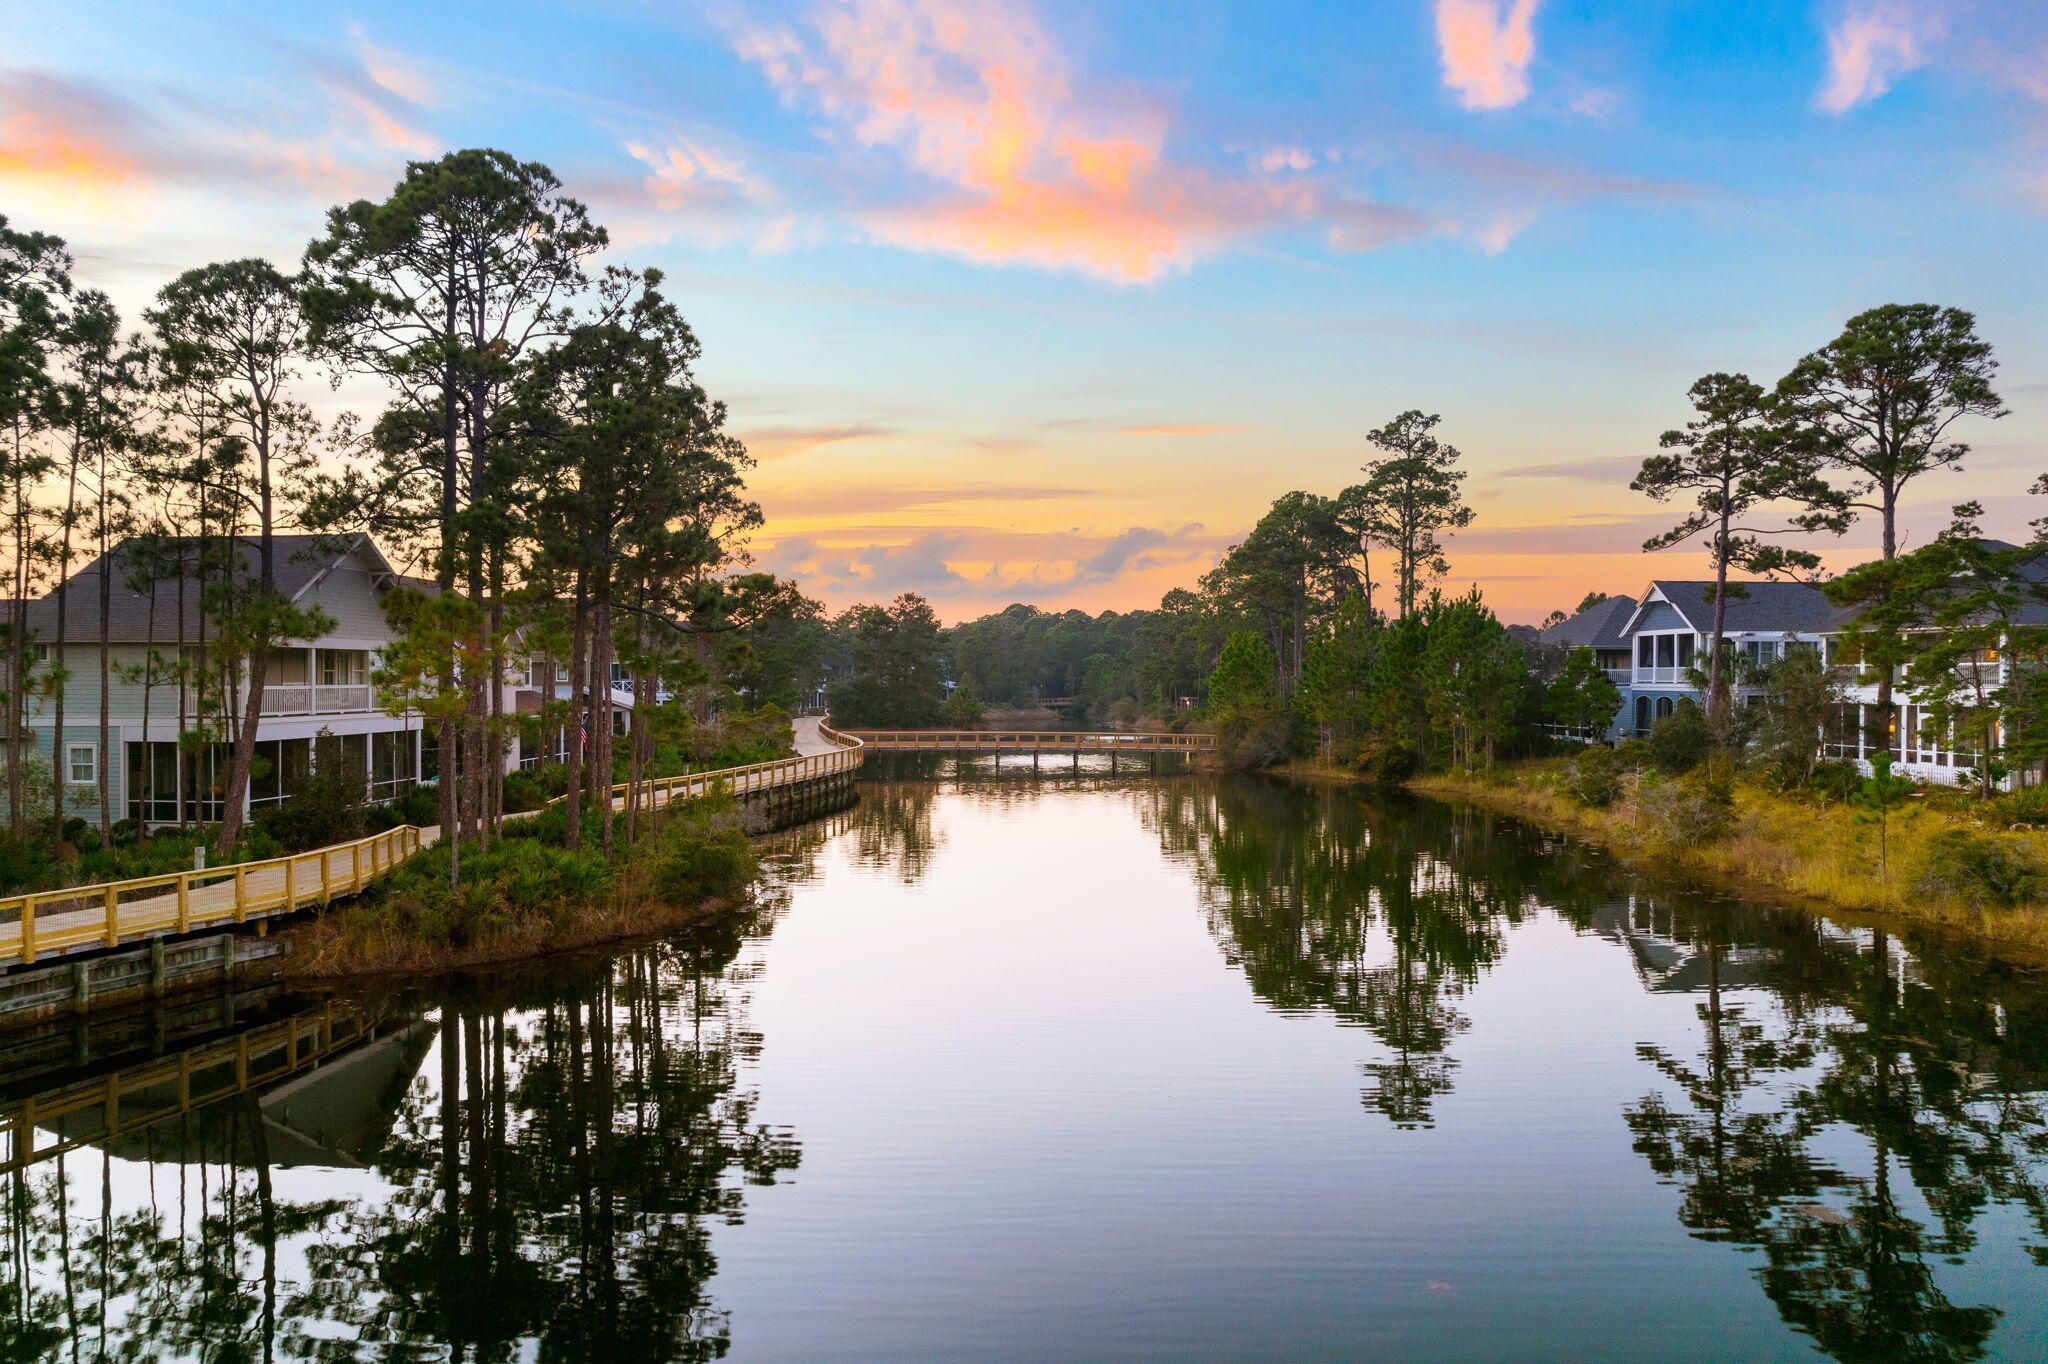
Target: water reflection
{"x":1766,"y":1131}
{"x":1855,"y":1111}
{"x":535,"y":1166}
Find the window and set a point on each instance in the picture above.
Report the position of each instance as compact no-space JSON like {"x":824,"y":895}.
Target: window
{"x":341,"y":667}
{"x":1666,"y":646}
{"x":1665,"y":705}
{"x":1645,"y":652}
{"x":1685,"y":651}
{"x":82,"y":763}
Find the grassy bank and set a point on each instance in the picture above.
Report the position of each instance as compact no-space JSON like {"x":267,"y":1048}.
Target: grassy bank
{"x":530,"y":896}
{"x":1947,"y":862}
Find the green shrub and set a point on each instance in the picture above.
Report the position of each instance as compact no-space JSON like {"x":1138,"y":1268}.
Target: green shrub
{"x":325,"y":805}
{"x":1982,"y":870}
{"x":1387,"y":764}
{"x":1680,"y":812}
{"x":1681,"y":740}
{"x":531,"y":788}
{"x":1836,"y":779}
{"x":2028,"y":805}
{"x":519,"y":883}
{"x":696,"y":858}
{"x":1597,"y":777}
{"x":419,"y":806}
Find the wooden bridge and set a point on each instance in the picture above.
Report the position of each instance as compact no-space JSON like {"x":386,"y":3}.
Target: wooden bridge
{"x":1029,"y":741}
{"x":108,"y":914}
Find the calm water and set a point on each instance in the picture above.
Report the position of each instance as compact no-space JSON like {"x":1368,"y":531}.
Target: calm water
{"x":1081,"y":1066}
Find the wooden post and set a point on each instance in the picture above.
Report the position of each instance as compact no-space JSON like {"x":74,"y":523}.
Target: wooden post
{"x":355,"y":857}
{"x":241,"y":895}
{"x":326,"y":876}
{"x":184,"y":901}
{"x":113,"y":916}
{"x":28,"y":930}
{"x":291,"y":889}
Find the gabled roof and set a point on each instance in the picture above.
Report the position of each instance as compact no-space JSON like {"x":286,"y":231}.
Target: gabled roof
{"x":301,"y":562}
{"x":1762,"y":607}
{"x":1597,"y":627}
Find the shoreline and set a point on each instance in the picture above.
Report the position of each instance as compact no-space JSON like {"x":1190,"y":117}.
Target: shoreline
{"x":1751,"y":862}
{"x":606,"y":928}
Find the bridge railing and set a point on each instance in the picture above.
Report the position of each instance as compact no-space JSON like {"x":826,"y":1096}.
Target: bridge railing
{"x":104,"y":1108}
{"x":1037,"y":740}
{"x":108,"y":913}
{"x":182,"y":901}
{"x":753,"y":777}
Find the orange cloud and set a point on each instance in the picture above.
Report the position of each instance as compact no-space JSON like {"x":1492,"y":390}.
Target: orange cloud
{"x":1486,"y":53}
{"x":1178,"y":430}
{"x":1867,"y":49}
{"x":978,"y":100}
{"x":42,"y":152}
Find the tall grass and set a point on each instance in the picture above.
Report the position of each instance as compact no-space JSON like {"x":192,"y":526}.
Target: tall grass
{"x":1818,"y":852}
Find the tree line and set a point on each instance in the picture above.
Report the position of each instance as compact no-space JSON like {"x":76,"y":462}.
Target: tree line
{"x":1327,"y":631}
{"x":543,"y":458}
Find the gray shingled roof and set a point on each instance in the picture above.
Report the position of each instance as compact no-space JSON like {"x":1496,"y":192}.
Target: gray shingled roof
{"x":1598,"y":627}
{"x":1764,"y":606}
{"x":300,"y":559}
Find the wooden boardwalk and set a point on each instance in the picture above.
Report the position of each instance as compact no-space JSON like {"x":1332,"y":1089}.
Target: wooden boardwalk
{"x":1030,"y":741}
{"x":108,"y":914}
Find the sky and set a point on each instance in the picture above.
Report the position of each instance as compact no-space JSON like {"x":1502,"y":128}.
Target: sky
{"x":1048,"y":301}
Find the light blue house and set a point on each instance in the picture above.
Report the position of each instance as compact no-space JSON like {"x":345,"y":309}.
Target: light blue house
{"x":1650,"y":647}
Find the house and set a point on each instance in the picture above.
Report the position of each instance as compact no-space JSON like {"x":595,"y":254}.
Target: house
{"x":1669,"y":630}
{"x":1599,"y":628}
{"x":1660,"y":639}
{"x":318,"y":685}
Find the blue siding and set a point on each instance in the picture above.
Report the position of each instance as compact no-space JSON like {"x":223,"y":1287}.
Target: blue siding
{"x":1661,"y":615}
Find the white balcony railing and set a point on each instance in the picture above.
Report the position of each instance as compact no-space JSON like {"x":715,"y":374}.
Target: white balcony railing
{"x":319,"y":700}
{"x":1659,"y":675}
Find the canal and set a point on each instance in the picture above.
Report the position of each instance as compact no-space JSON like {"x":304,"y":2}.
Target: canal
{"x":1076,"y":1066}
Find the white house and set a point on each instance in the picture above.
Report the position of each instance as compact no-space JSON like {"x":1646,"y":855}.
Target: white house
{"x":320,"y":685}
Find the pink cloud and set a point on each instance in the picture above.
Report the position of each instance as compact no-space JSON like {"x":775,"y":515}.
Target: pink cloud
{"x":1024,"y":168}
{"x":1868,"y":47}
{"x":1486,"y":51}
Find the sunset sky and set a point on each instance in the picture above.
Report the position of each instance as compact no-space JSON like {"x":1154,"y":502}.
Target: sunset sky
{"x":1045,"y":302}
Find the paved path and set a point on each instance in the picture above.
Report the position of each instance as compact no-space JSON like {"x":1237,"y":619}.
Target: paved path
{"x":810,"y":743}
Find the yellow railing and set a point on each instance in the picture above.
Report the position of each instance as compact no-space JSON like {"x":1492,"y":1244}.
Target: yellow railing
{"x":1034,"y":740}
{"x":113,"y":912}
{"x":106,"y":914}
{"x":753,"y":777}
{"x":126,"y":1100}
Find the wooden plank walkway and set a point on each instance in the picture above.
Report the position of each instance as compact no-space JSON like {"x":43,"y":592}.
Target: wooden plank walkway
{"x":1030,"y":741}
{"x":108,"y":914}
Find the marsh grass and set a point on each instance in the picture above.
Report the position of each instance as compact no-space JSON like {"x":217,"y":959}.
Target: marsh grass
{"x":1814,"y":851}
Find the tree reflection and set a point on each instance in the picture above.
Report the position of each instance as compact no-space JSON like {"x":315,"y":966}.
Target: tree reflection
{"x":1361,"y":908}
{"x":556,"y":1162}
{"x":895,"y":828}
{"x":1932,"y":1065}
{"x":1852,"y":1111}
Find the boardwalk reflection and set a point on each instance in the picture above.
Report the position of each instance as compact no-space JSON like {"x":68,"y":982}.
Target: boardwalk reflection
{"x":539,"y":1169}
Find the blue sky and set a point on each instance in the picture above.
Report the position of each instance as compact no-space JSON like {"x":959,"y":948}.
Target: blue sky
{"x":1046,"y":301}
